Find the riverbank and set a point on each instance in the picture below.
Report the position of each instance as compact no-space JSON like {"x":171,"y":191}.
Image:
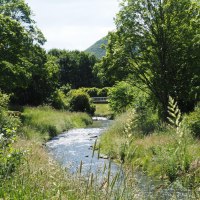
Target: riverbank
{"x":103,"y":110}
{"x":166,"y":154}
{"x":38,"y":176}
{"x":46,"y":122}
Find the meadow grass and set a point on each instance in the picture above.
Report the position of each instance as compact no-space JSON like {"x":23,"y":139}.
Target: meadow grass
{"x":161,"y":155}
{"x":40,"y":177}
{"x":103,"y":110}
{"x":47,"y":122}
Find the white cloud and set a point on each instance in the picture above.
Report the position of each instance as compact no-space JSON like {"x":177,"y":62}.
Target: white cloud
{"x":74,"y":24}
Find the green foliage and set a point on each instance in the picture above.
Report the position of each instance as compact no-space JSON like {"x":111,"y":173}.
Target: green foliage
{"x":124,"y":95}
{"x":92,"y":92}
{"x":43,"y":81}
{"x":75,"y":68}
{"x":157,"y":44}
{"x":103,"y":92}
{"x":25,"y":70}
{"x":80,"y":101}
{"x":192,"y":121}
{"x":4,"y":99}
{"x":97,"y":92}
{"x":45,"y":122}
{"x":114,"y":65}
{"x":58,"y":100}
{"x":121,"y":97}
{"x":9,"y":157}
{"x":98,"y":49}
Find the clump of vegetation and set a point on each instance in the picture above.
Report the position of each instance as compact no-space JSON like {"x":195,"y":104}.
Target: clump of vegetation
{"x":58,"y":99}
{"x":121,"y":97}
{"x":97,"y":92}
{"x":9,"y":157}
{"x":80,"y":101}
{"x":169,"y":152}
{"x":50,"y":122}
{"x":192,"y":121}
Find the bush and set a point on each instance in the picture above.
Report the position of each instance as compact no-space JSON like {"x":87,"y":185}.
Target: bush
{"x":103,"y":92}
{"x":9,"y":157}
{"x":121,"y":97}
{"x":192,"y":121}
{"x":79,"y":101}
{"x":92,"y":92}
{"x":58,"y":100}
{"x":96,"y":92}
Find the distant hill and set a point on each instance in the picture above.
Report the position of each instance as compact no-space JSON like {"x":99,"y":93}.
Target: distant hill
{"x":96,"y":49}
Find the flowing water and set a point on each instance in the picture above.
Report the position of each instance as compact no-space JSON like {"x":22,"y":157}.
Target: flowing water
{"x":76,"y":146}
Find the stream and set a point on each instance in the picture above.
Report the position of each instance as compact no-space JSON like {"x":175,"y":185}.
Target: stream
{"x":75,"y":146}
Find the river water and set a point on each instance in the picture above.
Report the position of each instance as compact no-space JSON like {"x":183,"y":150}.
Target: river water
{"x":74,"y":148}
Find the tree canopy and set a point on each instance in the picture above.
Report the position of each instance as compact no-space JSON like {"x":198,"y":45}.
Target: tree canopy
{"x":159,"y":41}
{"x":75,"y":68}
{"x":24,"y":66}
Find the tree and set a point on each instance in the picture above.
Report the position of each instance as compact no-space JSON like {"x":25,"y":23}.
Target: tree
{"x":162,"y":43}
{"x":114,"y":66}
{"x":14,"y":66}
{"x":43,"y":81}
{"x":76,"y":68}
{"x":25,"y":69}
{"x":20,"y":12}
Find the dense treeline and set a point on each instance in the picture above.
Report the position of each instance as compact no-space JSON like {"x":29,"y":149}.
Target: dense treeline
{"x":27,"y":72}
{"x":75,"y":68}
{"x":22,"y":60}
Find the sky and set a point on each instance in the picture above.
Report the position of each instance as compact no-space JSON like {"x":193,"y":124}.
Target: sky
{"x":74,"y":24}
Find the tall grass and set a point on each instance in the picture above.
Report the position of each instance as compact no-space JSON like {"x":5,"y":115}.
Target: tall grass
{"x":47,"y":122}
{"x":166,"y":154}
{"x":103,"y":110}
{"x":39,"y":177}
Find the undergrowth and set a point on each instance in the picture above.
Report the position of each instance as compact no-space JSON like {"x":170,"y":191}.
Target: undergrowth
{"x":169,"y":153}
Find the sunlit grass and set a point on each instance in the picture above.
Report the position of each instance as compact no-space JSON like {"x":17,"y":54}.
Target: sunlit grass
{"x":161,"y":155}
{"x":103,"y":110}
{"x":50,"y":122}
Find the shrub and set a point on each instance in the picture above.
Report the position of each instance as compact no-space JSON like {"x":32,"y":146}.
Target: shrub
{"x":103,"y":92}
{"x":79,"y":101}
{"x":9,"y":157}
{"x":192,"y":121}
{"x":96,"y":92}
{"x":58,"y":100}
{"x":92,"y":92}
{"x":121,"y":97}
{"x":124,"y":95}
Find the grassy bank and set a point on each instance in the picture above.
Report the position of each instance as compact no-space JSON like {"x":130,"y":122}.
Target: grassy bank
{"x":166,"y":153}
{"x":37,"y":176}
{"x":45,"y":122}
{"x":103,"y":110}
